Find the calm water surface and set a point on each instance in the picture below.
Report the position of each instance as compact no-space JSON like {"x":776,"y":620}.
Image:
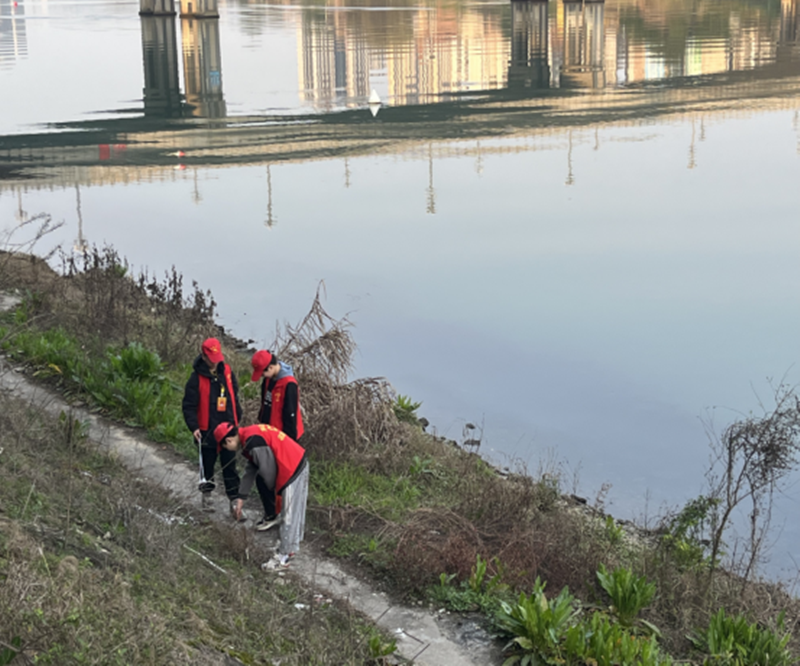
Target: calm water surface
{"x":574,"y":224}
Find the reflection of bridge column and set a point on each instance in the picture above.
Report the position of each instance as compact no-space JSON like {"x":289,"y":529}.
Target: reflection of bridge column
{"x":529,"y":67}
{"x":162,"y":94}
{"x":157,"y":7}
{"x":583,"y":45}
{"x":202,"y":67}
{"x":789,"y":37}
{"x":199,"y":9}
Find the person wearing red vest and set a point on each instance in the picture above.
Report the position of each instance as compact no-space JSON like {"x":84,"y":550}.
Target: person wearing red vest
{"x":211,"y":397}
{"x":280,"y":395}
{"x":280,"y":408}
{"x":281,"y":464}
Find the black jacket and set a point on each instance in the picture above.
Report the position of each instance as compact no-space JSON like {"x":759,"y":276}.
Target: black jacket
{"x":191,"y":396}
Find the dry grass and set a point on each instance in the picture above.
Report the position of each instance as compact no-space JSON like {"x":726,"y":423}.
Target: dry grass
{"x":93,"y":569}
{"x":341,"y":416}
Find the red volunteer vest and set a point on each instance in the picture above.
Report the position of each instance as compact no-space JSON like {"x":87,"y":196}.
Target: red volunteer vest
{"x":278,"y":397}
{"x":205,"y":392}
{"x":288,"y":453}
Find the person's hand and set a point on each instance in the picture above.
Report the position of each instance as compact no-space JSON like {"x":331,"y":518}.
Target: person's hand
{"x":237,"y":512}
{"x":196,"y":434}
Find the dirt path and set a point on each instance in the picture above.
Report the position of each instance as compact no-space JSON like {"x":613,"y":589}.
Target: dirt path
{"x":429,"y":639}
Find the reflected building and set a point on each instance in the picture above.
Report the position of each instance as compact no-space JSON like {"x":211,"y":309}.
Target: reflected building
{"x":202,"y":68}
{"x":13,"y":38}
{"x":334,"y":69}
{"x":162,"y":92}
{"x":529,"y":66}
{"x":447,"y":50}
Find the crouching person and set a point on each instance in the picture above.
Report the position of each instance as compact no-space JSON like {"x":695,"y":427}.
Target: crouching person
{"x":277,"y":464}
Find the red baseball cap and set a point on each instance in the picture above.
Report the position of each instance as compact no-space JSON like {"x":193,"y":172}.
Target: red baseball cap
{"x":221,"y":431}
{"x":261,"y":359}
{"x":213,"y":350}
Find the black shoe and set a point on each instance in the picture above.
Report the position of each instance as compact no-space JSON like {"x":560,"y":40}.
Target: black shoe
{"x":267,"y":522}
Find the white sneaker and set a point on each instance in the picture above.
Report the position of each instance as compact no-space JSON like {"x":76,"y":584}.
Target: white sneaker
{"x":267,"y":523}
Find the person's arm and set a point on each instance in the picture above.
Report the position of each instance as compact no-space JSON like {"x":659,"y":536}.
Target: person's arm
{"x":263,"y":463}
{"x":290,"y":407}
{"x":191,"y":400}
{"x":249,"y":477}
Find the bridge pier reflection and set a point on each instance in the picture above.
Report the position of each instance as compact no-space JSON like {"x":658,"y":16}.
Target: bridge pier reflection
{"x":156,"y":7}
{"x":584,"y":37}
{"x":162,"y":91}
{"x":529,"y":66}
{"x":788,"y":48}
{"x":202,"y":68}
{"x":199,"y":9}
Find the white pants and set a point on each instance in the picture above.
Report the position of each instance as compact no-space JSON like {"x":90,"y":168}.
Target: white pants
{"x":293,"y":513}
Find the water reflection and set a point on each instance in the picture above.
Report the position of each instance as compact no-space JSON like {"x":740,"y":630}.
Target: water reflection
{"x":430,"y":54}
{"x":162,"y":90}
{"x":13,"y":38}
{"x":529,"y":66}
{"x":447,"y":71}
{"x":581,"y":50}
{"x":202,"y":68}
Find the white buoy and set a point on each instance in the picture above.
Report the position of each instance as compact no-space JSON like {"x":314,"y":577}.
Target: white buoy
{"x":374,"y":103}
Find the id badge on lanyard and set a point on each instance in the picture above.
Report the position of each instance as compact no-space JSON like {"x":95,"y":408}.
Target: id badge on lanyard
{"x":222,"y":401}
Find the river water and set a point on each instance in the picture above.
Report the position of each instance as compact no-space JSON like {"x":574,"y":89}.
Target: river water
{"x":572,"y":225}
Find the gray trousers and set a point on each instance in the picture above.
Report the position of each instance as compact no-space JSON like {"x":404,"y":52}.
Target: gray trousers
{"x":293,"y":513}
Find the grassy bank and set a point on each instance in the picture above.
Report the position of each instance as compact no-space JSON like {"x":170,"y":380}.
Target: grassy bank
{"x":97,"y":567}
{"x":559,"y":581}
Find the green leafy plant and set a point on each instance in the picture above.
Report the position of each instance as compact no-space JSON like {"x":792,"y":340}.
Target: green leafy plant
{"x":8,"y":652}
{"x":379,"y":648}
{"x":405,"y":409}
{"x":629,"y":594}
{"x":538,"y":626}
{"x":733,"y":641}
{"x":479,"y":583}
{"x":685,"y":532}
{"x":136,"y":363}
{"x":613,"y":532}
{"x":601,"y":642}
{"x":481,"y":591}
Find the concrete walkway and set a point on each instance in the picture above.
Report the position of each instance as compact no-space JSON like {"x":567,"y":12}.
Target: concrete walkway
{"x":425,"y":638}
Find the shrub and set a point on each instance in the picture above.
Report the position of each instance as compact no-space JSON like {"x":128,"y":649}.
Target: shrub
{"x":538,"y":625}
{"x":603,"y":643}
{"x":405,"y":409}
{"x":136,"y":363}
{"x":733,"y":641}
{"x":629,"y":594}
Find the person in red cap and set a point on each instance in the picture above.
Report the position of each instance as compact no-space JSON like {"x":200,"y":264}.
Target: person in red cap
{"x":281,"y":464}
{"x":211,"y":397}
{"x":280,"y":408}
{"x":280,"y":395}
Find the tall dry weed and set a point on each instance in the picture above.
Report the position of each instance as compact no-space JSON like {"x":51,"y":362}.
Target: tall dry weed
{"x":342,"y":416}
